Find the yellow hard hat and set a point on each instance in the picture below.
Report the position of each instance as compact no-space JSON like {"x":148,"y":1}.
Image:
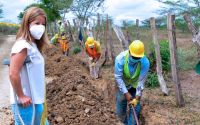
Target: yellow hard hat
{"x":136,"y":48}
{"x":56,"y":35}
{"x":90,"y":41}
{"x":63,"y":37}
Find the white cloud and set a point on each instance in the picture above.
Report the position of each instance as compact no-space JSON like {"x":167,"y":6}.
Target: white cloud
{"x":118,"y":9}
{"x":132,"y":9}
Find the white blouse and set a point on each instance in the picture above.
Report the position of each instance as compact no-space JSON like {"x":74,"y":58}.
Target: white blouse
{"x":34,"y":76}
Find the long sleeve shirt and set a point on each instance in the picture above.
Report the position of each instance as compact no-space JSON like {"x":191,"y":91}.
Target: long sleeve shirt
{"x":119,"y":69}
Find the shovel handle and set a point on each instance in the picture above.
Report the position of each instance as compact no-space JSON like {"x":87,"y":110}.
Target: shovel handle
{"x":135,"y":115}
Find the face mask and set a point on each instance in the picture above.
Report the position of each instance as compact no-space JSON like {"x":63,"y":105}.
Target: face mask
{"x":132,"y":61}
{"x":91,"y":47}
{"x":37,"y":31}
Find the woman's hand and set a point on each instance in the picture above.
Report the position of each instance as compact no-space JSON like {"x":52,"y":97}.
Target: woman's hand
{"x":24,"y":100}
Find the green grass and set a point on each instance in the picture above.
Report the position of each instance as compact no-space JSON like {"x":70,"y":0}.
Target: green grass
{"x":187,"y":58}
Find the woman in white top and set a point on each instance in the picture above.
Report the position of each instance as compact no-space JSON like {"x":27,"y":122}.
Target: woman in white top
{"x":27,"y":80}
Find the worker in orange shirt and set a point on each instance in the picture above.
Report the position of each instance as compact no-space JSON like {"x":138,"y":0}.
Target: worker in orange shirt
{"x":93,"y":50}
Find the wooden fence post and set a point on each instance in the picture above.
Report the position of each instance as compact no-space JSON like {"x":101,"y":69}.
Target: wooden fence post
{"x":98,"y":27}
{"x":75,"y":31}
{"x":93,"y":28}
{"x":111,"y":42}
{"x":137,"y":30}
{"x":70,"y":31}
{"x":121,"y":37}
{"x":158,"y":57}
{"x":106,"y":43}
{"x":194,"y":31}
{"x":173,"y":48}
{"x":128,"y":35}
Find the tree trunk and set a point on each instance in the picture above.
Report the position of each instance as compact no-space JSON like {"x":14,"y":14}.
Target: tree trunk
{"x":158,"y":58}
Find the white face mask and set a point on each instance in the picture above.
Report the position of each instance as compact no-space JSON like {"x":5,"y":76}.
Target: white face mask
{"x":37,"y":31}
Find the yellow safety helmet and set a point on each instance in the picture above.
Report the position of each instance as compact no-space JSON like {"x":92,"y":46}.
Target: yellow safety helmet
{"x":136,"y":48}
{"x":63,"y":37}
{"x":90,"y":41}
{"x":56,"y":35}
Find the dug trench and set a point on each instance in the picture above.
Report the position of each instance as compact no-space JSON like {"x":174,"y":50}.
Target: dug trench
{"x":73,"y":97}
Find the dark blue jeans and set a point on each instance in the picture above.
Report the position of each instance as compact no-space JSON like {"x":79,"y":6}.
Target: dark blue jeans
{"x":121,"y":107}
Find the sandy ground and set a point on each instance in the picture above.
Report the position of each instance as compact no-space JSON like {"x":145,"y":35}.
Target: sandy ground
{"x":5,"y":46}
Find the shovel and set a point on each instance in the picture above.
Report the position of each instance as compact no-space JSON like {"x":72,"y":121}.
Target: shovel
{"x":26,"y":62}
{"x":135,"y":115}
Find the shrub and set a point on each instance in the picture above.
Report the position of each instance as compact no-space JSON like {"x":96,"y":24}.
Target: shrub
{"x":152,"y":80}
{"x":165,"y":56}
{"x":187,"y":58}
{"x":76,"y":50}
{"x":8,"y":28}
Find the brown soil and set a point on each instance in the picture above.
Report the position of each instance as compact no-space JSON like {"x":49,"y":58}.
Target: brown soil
{"x":162,"y":110}
{"x":73,"y":98}
{"x":156,"y":108}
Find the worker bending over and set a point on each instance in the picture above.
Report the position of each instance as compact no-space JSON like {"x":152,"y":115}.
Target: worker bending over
{"x":131,"y":70}
{"x":93,"y":50}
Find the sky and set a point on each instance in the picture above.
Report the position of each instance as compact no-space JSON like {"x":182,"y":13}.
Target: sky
{"x":118,"y":9}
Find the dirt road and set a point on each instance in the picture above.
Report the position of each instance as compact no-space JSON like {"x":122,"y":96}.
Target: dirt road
{"x":6,"y":43}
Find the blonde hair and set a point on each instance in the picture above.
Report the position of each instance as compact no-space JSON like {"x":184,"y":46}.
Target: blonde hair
{"x":24,"y":33}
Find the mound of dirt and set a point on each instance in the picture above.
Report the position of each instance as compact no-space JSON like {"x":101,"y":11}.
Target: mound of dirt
{"x":72,"y":98}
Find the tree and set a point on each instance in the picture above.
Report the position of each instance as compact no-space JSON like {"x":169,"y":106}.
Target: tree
{"x":83,"y":9}
{"x":179,"y":7}
{"x":161,"y":22}
{"x":1,"y":11}
{"x":53,"y":8}
{"x":181,"y":24}
{"x":52,"y":14}
{"x":60,"y":7}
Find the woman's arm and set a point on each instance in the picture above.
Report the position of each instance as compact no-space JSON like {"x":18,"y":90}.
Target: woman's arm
{"x":17,"y":61}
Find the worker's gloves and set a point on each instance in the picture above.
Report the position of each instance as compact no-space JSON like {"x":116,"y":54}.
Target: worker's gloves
{"x":134,"y":102}
{"x":90,"y":58}
{"x":93,"y":64}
